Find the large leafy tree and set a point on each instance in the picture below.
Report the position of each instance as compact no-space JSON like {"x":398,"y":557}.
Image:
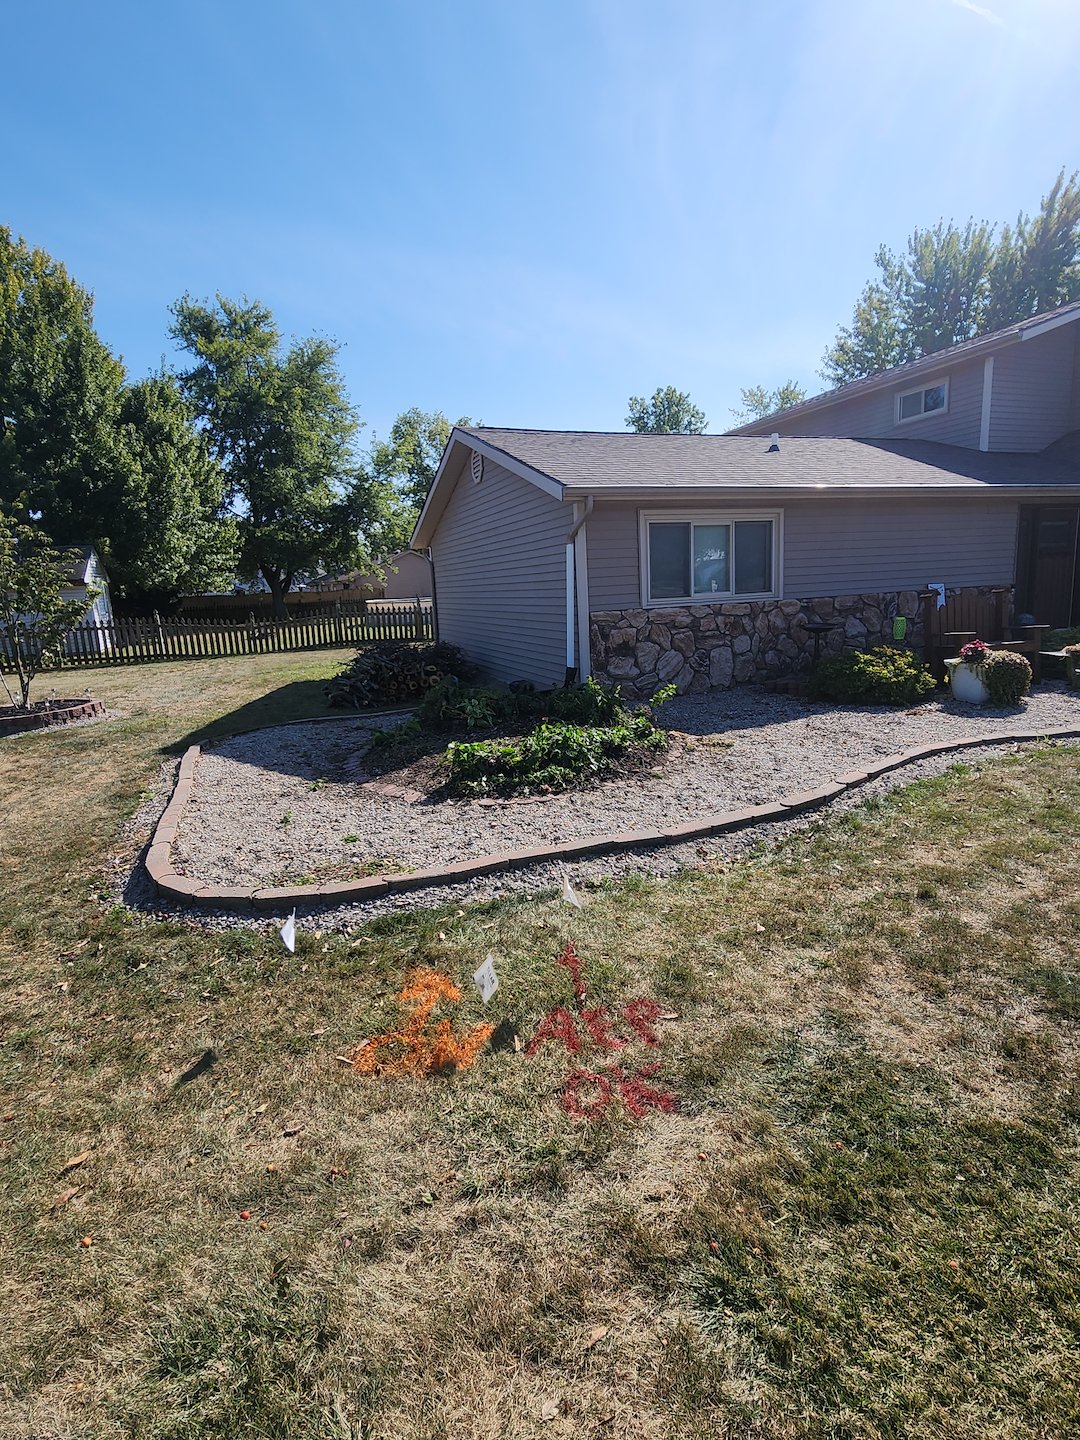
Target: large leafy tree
{"x":667,"y":412}
{"x":954,"y":283}
{"x":97,"y":461}
{"x":60,"y":391}
{"x":170,"y":535}
{"x":401,"y":469}
{"x":280,"y":425}
{"x":758,"y":401}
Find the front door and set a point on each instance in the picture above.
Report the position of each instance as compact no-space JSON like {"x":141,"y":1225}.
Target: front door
{"x":1046,"y":572}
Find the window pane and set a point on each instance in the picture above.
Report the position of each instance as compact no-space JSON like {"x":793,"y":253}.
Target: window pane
{"x":669,"y":561}
{"x":753,"y":557}
{"x":934,"y":398}
{"x":910,"y":405}
{"x":712,"y":550}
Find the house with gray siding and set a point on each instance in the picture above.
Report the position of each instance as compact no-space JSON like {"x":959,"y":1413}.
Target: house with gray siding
{"x":699,"y":559}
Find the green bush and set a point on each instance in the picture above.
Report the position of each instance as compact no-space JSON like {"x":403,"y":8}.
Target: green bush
{"x":1007,"y":677}
{"x":396,"y":672}
{"x":554,"y":756}
{"x":588,"y":704}
{"x":881,"y":676}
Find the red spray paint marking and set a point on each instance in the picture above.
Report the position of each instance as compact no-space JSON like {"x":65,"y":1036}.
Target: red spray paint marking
{"x":558,"y":1025}
{"x":637,"y":1096}
{"x":572,"y":962}
{"x":598,"y":1024}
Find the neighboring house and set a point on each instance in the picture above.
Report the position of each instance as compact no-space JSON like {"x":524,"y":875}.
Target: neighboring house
{"x":88,"y":574}
{"x":405,"y":575}
{"x":699,"y":558}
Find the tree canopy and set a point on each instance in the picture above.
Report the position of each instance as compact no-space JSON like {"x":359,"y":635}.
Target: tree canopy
{"x":401,"y":469}
{"x":757,"y":401}
{"x":100,"y":462}
{"x":281,"y":427}
{"x":667,"y":412}
{"x":954,"y":283}
{"x":169,"y":535}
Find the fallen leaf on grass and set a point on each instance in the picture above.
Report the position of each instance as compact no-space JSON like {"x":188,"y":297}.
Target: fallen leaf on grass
{"x":291,"y":1130}
{"x":75,"y":1162}
{"x":64,"y":1197}
{"x":261,"y":1109}
{"x":596,"y":1334}
{"x":549,"y":1410}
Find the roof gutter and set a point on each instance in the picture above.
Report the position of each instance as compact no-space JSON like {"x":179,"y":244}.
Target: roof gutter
{"x":760,"y":494}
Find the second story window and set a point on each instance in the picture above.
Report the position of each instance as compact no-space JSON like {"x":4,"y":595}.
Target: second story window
{"x":910,"y":404}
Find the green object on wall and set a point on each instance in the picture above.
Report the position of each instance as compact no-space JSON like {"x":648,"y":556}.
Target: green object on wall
{"x":899,"y":627}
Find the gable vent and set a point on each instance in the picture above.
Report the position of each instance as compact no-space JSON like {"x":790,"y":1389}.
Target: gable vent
{"x":476,"y":467}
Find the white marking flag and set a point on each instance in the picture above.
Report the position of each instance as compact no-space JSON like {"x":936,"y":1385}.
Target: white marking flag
{"x":288,"y":934}
{"x":485,"y":979}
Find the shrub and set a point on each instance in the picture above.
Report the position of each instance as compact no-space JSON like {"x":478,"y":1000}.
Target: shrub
{"x":588,"y":704}
{"x":554,"y":756}
{"x":881,"y":676}
{"x":395,"y":672}
{"x":449,"y":706}
{"x":1007,"y":677}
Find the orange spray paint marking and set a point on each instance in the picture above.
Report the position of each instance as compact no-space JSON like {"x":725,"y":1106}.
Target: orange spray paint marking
{"x":415,"y":1049}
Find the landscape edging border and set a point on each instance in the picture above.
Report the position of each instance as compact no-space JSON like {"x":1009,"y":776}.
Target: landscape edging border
{"x":189,"y":890}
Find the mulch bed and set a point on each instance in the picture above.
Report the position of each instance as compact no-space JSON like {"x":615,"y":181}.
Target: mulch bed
{"x":418,"y":763}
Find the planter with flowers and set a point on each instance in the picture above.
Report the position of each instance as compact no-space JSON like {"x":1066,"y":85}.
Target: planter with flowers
{"x":983,"y":676}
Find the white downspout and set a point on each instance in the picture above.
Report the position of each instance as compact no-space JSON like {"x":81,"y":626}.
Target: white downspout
{"x":582,"y":511}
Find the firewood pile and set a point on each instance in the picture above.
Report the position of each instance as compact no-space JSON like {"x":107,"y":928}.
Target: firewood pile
{"x":395,"y":672}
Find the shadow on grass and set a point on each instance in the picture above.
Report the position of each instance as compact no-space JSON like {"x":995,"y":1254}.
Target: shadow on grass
{"x":299,"y":700}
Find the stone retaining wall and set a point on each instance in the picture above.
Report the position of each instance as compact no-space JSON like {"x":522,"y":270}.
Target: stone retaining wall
{"x":707,"y":647}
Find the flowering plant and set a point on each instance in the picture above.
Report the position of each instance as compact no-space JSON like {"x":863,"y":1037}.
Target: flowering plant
{"x":974,"y":652}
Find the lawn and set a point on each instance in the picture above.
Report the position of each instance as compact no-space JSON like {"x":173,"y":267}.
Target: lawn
{"x":857,"y":1220}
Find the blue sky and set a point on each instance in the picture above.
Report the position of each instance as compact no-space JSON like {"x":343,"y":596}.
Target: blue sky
{"x":524,"y":211}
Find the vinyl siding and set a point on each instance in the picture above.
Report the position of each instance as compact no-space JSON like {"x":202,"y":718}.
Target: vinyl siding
{"x":873,"y":417}
{"x":500,"y":576}
{"x":1034,"y":391}
{"x":836,"y":546}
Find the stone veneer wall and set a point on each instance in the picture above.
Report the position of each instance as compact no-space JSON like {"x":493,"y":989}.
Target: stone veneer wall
{"x":705,"y":647}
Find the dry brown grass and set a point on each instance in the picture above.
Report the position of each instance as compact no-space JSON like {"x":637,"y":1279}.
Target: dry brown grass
{"x":875,"y":1052}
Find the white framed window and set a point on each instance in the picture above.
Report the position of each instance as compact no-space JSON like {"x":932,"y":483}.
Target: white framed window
{"x":927,"y":400}
{"x":695,"y":556}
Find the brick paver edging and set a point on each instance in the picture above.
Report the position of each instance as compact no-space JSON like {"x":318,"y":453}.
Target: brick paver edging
{"x":191,"y":891}
{"x":63,"y":712}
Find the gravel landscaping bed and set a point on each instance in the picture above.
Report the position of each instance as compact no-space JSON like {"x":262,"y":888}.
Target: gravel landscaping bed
{"x":294,"y":804}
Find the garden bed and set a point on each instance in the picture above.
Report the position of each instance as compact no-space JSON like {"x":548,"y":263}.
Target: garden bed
{"x":301,"y":804}
{"x":47,"y":713}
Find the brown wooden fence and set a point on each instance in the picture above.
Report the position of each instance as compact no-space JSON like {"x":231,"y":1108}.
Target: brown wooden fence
{"x":130,"y":642}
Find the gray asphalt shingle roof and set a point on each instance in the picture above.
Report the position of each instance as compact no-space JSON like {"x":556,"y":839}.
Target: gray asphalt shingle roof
{"x":979,"y":344}
{"x":596,"y":461}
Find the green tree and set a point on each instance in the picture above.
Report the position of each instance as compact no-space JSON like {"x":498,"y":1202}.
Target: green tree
{"x":757,"y":401}
{"x":34,"y":616}
{"x":280,"y":425}
{"x":99,"y":462}
{"x":170,"y":536}
{"x":668,"y":412}
{"x":404,"y":465}
{"x":954,"y":283}
{"x":60,"y":391}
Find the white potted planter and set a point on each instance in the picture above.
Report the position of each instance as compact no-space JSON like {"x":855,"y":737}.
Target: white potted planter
{"x":966,"y":682}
